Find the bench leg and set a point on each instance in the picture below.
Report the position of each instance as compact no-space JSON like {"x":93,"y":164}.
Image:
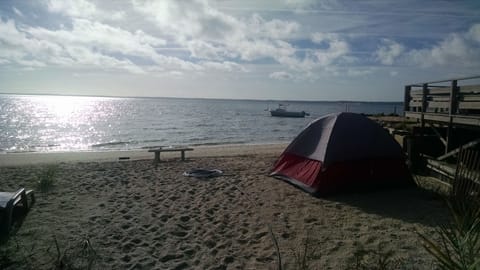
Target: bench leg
{"x":7,"y":220}
{"x":25,"y":202}
{"x":183,"y":155}
{"x":157,"y":158}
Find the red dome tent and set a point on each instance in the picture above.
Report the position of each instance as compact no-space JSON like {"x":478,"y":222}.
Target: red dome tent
{"x":342,"y":151}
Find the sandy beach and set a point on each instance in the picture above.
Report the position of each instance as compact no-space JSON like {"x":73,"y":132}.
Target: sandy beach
{"x":138,"y":216}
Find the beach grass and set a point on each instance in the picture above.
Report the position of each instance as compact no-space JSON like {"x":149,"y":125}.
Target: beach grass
{"x":459,"y":245}
{"x":77,"y":254}
{"x":380,"y":258}
{"x":46,"y":178}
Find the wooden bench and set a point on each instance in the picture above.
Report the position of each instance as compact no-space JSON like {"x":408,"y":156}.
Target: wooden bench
{"x":173,"y":149}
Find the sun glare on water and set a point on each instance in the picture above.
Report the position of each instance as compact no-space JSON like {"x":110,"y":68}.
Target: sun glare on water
{"x":65,"y":108}
{"x":62,"y":122}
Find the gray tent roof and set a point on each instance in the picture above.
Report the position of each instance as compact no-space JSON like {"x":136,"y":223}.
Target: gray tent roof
{"x":342,"y":137}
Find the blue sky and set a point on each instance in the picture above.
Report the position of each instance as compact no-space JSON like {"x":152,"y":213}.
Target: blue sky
{"x":270,"y":49}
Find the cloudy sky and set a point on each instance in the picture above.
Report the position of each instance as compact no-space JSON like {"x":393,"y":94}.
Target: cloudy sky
{"x":268,"y":49}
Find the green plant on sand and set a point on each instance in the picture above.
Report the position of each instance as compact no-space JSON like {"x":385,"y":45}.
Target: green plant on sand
{"x":375,"y":259}
{"x":79,"y":256}
{"x":305,"y":253}
{"x":459,"y":245}
{"x":46,"y":178}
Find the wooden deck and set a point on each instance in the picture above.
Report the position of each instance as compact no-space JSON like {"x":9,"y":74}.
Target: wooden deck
{"x":445,"y":106}
{"x":448,"y":112}
{"x":452,"y":102}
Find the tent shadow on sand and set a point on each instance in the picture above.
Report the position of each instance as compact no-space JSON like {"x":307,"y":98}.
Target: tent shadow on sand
{"x":412,"y":204}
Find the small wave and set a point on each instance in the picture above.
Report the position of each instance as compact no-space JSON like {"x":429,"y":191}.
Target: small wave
{"x":200,"y":139}
{"x":109,"y":144}
{"x":20,"y":151}
{"x":205,"y":125}
{"x":149,"y":141}
{"x":152,"y":146}
{"x":44,"y":146}
{"x":219,"y":143}
{"x":164,"y":128}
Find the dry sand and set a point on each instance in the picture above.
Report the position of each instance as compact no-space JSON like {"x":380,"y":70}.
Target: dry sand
{"x":137,"y":216}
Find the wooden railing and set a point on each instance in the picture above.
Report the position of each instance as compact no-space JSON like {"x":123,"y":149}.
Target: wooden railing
{"x":443,"y":98}
{"x":451,"y":99}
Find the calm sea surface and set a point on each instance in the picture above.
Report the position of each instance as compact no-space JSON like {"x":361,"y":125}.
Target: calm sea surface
{"x":66,"y":123}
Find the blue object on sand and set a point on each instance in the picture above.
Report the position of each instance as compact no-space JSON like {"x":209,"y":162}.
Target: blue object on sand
{"x":203,"y":173}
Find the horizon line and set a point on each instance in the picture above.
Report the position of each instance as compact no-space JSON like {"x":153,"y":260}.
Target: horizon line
{"x":206,"y":98}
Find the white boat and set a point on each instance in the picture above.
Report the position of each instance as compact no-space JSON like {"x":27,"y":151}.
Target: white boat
{"x":281,"y":111}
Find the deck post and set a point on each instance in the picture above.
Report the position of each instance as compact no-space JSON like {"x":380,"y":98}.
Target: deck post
{"x":406,"y":99}
{"x":424,"y":106}
{"x":453,"y":98}
{"x":452,"y":110}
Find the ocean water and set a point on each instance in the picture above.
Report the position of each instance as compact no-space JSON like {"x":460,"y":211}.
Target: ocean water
{"x":72,"y":123}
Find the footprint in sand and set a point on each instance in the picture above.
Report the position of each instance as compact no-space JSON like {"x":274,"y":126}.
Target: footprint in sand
{"x":210,"y":243}
{"x":126,"y":226}
{"x":184,"y":218}
{"x":309,"y":220}
{"x":170,"y":257}
{"x":179,"y":233}
{"x":165,"y":218}
{"x":182,"y":265}
{"x":126,"y":258}
{"x":136,"y":241}
{"x":127,"y":247}
{"x":260,"y":235}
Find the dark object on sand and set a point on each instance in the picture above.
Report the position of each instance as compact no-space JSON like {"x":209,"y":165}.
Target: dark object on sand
{"x":203,"y":173}
{"x":11,"y":202}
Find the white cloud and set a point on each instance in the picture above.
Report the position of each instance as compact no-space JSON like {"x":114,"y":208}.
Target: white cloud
{"x":191,"y":19}
{"x":389,"y":51}
{"x":306,"y":5}
{"x":205,"y":50}
{"x":474,"y":33}
{"x":88,"y":44}
{"x":455,"y":50}
{"x":101,"y":37}
{"x":18,"y":12}
{"x":211,"y":34}
{"x":281,"y":75}
{"x":458,"y":49}
{"x":82,"y":9}
{"x":336,"y":48}
{"x":223,"y":66}
{"x":28,"y":48}
{"x":74,"y":8}
{"x":275,"y":29}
